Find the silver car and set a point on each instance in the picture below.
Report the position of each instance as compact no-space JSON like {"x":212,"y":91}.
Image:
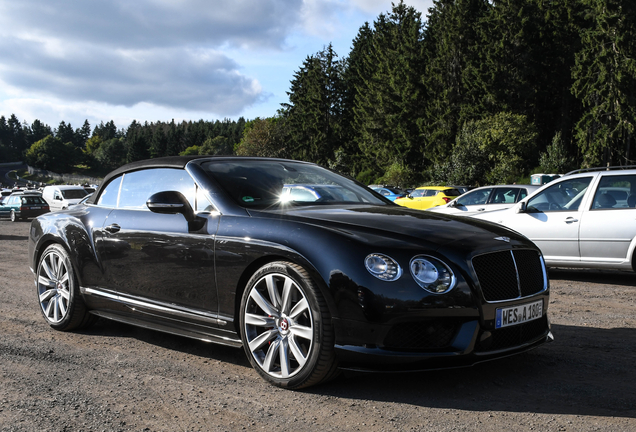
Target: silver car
{"x":586,"y":219}
{"x":486,"y":198}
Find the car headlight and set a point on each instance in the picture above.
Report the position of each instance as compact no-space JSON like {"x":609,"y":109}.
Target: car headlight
{"x":383,"y":267}
{"x":432,"y":274}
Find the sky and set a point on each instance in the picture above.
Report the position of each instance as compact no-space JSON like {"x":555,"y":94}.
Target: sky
{"x":158,"y":60}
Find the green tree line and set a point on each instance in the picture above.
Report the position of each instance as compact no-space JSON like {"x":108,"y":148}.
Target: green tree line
{"x":481,"y":91}
{"x":107,"y":147}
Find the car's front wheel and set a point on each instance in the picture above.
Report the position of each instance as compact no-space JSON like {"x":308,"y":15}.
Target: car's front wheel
{"x":58,"y":291}
{"x":14,"y":218}
{"x":286,"y":327}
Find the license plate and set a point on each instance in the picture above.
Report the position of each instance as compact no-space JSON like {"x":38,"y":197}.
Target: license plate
{"x":36,"y":208}
{"x":519,"y":314}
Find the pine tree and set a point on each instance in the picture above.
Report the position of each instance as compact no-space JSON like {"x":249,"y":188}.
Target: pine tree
{"x":83,"y":134}
{"x":38,"y":131}
{"x":454,"y":95}
{"x":136,"y":146}
{"x":389,"y":104}
{"x":159,"y":142}
{"x":526,"y":55}
{"x":314,"y":111}
{"x":605,"y":76}
{"x":349,"y":157}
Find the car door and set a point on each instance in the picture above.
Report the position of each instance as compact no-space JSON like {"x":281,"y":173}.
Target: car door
{"x":552,"y":219}
{"x":427,"y":200}
{"x":5,"y":208}
{"x":471,"y":202}
{"x":609,"y":225}
{"x":157,"y":257}
{"x":504,"y":197}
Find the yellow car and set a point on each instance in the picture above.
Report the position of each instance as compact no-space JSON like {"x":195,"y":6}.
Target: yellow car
{"x":428,"y":196}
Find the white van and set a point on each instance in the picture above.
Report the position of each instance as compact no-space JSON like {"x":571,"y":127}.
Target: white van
{"x":60,"y":197}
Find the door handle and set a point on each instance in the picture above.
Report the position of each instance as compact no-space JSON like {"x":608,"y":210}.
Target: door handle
{"x":481,"y":209}
{"x":570,"y":219}
{"x":113,"y":228}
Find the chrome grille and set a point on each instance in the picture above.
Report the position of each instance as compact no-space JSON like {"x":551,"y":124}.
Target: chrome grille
{"x":507,"y":275}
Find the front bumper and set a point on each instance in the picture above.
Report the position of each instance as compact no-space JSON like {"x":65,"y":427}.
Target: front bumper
{"x":469,"y":344}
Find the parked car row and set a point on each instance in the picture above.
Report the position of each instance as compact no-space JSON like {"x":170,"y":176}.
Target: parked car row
{"x":22,"y":204}
{"x":486,"y":198}
{"x":426,"y":197}
{"x":586,"y":218}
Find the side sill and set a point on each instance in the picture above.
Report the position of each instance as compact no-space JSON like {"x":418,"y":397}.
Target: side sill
{"x":207,"y":337}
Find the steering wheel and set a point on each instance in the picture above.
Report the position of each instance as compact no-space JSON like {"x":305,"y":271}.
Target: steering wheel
{"x":555,"y":206}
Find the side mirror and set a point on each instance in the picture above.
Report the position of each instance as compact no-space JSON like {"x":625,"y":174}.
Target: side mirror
{"x":454,"y":203}
{"x":409,"y":196}
{"x":59,"y":198}
{"x":522,"y":207}
{"x":170,"y":202}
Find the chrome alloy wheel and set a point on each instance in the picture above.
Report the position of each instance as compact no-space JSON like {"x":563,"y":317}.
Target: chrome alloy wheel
{"x":278,"y":325}
{"x":54,"y":286}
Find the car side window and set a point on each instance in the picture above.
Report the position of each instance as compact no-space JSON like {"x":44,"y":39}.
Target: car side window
{"x":522,"y":194}
{"x":417,"y":193}
{"x":563,"y":196}
{"x":302,"y":194}
{"x":615,"y":192}
{"x":505,"y":195}
{"x":138,"y":186}
{"x":109,"y":195}
{"x":477,"y":197}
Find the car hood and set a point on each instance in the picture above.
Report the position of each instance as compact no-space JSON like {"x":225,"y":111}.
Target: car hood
{"x":402,"y":224}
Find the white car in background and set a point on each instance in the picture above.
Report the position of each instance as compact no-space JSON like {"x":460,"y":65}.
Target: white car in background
{"x":62,"y":196}
{"x":584,"y":219}
{"x":486,"y":198}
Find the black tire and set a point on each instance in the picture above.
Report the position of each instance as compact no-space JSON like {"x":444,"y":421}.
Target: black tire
{"x":58,"y":293}
{"x":286,"y":327}
{"x":13,"y":217}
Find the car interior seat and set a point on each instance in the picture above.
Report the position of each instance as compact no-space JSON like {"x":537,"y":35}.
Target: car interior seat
{"x":631,"y":201}
{"x":499,"y":198}
{"x":606,"y":201}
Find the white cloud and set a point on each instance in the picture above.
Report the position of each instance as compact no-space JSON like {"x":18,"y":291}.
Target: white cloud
{"x":158,"y":59}
{"x":375,"y":7}
{"x":118,"y":52}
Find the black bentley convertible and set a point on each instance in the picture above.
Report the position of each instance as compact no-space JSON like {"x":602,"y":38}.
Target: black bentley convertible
{"x":309,"y":271}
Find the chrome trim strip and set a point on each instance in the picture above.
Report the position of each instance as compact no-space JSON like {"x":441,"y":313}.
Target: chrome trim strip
{"x":160,"y":205}
{"x":129,"y":301}
{"x":514,"y":262}
{"x":545,"y":273}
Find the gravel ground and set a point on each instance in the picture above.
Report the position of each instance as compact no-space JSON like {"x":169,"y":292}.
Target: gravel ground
{"x":115,"y":377}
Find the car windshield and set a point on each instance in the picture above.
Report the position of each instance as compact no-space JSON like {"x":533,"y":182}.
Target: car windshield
{"x":73,"y":193}
{"x":265,"y":183}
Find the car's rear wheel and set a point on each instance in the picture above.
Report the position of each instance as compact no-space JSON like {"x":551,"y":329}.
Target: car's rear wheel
{"x":286,"y":327}
{"x":14,"y":218}
{"x":58,"y":291}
